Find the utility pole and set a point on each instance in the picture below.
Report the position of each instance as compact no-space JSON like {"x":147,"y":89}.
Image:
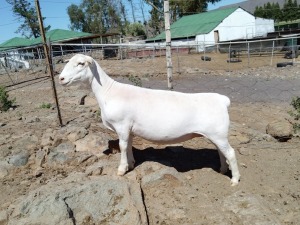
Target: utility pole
{"x":49,"y":59}
{"x":168,"y":44}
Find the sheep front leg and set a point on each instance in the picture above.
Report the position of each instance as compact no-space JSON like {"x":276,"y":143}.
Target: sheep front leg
{"x":127,"y":160}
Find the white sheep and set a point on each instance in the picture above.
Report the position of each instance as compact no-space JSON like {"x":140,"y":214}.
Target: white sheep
{"x":155,"y":115}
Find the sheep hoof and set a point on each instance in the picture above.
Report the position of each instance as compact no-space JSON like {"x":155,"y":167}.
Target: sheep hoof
{"x":234,"y":182}
{"x":122,"y":170}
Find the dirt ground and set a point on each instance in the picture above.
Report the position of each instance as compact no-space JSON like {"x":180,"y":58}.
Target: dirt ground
{"x":269,"y":190}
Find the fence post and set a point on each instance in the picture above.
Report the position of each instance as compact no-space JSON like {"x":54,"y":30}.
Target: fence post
{"x":168,"y":44}
{"x":271,"y":63}
{"x":62,"y":51}
{"x":248,"y":54}
{"x":49,"y":61}
{"x":178,"y":62}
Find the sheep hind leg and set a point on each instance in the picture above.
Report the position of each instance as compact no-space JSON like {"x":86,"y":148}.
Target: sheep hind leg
{"x":130,"y":157}
{"x":227,"y":153}
{"x":224,"y":164}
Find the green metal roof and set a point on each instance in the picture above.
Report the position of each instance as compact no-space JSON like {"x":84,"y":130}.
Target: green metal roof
{"x":282,"y":23}
{"x":56,"y":35}
{"x":15,"y":43}
{"x":61,"y":35}
{"x":202,"y":23}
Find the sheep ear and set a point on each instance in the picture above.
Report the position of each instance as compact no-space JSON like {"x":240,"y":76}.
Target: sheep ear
{"x":89,"y":59}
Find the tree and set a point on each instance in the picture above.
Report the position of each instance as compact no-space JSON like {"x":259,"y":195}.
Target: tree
{"x":77,"y":18}
{"x":96,"y":16}
{"x":184,"y":8}
{"x":290,"y":10}
{"x":277,"y":12}
{"x":259,"y":12}
{"x":134,"y":29}
{"x":156,"y":22}
{"x":26,"y":14}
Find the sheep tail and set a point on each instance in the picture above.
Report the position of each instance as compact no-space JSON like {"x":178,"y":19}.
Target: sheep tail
{"x":226,"y":100}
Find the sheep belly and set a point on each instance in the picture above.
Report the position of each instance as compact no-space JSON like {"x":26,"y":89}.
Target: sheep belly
{"x":176,"y":126}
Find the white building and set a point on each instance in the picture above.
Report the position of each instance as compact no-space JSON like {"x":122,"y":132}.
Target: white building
{"x":209,"y":28}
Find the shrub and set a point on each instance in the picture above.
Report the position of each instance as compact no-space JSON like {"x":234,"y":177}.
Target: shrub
{"x":5,"y":103}
{"x":45,"y":105}
{"x":295,"y":113}
{"x":135,"y":80}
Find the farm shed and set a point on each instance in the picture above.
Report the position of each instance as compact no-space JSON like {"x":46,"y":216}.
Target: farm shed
{"x":217,"y":26}
{"x":17,"y":51}
{"x":9,"y":54}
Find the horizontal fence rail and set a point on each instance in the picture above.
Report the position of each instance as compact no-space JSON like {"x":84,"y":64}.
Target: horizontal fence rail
{"x":237,"y":69}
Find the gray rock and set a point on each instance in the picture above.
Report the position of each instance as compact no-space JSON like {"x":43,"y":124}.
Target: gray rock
{"x":249,"y":209}
{"x":93,"y":143}
{"x":80,"y":200}
{"x":20,"y":159}
{"x":77,"y":134}
{"x":31,"y":119}
{"x":57,"y":158}
{"x":50,"y":138}
{"x":281,"y":130}
{"x":3,"y":218}
{"x":65,"y":147}
{"x":4,"y":169}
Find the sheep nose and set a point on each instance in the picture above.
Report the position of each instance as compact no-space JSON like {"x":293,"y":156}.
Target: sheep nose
{"x":61,"y":78}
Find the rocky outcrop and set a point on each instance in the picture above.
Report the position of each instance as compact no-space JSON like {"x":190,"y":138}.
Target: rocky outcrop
{"x":281,"y":130}
{"x":81,"y":200}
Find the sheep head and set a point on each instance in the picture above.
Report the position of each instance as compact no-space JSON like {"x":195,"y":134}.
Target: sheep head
{"x":77,"y":70}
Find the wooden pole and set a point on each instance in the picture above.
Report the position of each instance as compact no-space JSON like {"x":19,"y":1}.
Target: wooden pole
{"x":49,"y":61}
{"x":168,"y":44}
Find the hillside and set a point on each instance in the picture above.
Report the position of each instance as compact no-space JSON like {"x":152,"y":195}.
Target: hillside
{"x":251,"y":4}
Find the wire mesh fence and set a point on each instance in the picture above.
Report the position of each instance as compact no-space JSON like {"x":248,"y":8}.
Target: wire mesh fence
{"x":253,"y":71}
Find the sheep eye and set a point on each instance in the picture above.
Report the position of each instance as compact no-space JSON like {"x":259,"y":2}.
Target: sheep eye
{"x":81,"y":64}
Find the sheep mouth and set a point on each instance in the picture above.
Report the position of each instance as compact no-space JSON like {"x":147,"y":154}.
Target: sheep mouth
{"x":66,"y":83}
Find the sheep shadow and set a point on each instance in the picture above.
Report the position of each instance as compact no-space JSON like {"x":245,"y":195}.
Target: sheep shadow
{"x":181,"y":158}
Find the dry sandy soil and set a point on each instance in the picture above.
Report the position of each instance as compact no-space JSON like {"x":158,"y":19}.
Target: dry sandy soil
{"x":189,"y":189}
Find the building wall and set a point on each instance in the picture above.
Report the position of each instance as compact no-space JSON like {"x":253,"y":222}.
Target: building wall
{"x":263,"y":27}
{"x":239,"y":25}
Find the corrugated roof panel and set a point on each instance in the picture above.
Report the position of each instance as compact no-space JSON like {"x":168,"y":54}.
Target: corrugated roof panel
{"x":53,"y":35}
{"x":193,"y":25}
{"x":15,"y":42}
{"x":61,"y":35}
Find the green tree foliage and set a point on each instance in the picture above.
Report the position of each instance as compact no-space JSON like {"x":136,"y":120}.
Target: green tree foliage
{"x":26,"y":13}
{"x":289,"y":12}
{"x":156,"y":22}
{"x":134,"y":29}
{"x":96,"y":16}
{"x":184,"y":8}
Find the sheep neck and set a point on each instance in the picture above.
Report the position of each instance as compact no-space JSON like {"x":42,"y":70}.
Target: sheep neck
{"x":101,"y":83}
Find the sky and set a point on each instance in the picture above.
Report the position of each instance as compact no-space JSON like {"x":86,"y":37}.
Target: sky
{"x":56,"y":15}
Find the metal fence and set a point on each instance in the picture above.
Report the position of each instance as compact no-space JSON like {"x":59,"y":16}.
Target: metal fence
{"x":246,"y":71}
